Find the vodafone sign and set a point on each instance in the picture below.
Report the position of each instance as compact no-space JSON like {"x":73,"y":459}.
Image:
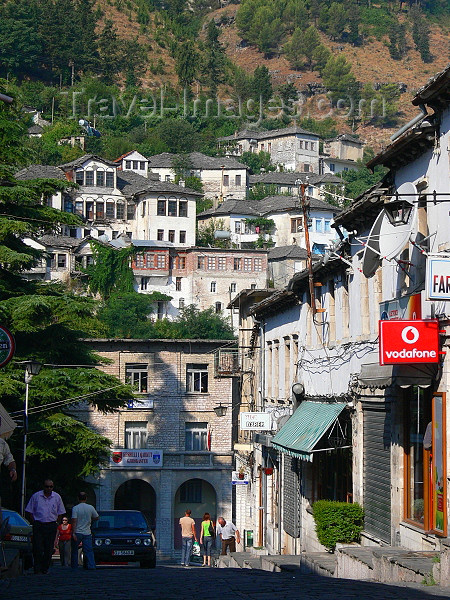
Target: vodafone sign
{"x":406,"y":342}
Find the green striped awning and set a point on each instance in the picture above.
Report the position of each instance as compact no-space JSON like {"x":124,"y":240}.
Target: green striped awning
{"x":303,"y":431}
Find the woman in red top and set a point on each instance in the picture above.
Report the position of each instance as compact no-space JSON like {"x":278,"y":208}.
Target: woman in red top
{"x":63,"y":541}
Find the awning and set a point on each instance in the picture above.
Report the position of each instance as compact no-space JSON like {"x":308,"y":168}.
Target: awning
{"x":303,"y":431}
{"x":374,"y":375}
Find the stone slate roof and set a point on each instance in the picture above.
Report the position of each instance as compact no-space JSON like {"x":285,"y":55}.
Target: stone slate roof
{"x":345,"y":137}
{"x":437,"y":86}
{"x":287,"y":178}
{"x":283,"y":252}
{"x":197,"y":160}
{"x":61,"y":241}
{"x":264,"y":207}
{"x":78,"y":162}
{"x":35,"y":129}
{"x":263,"y":135}
{"x":40,"y":172}
{"x":130,"y":184}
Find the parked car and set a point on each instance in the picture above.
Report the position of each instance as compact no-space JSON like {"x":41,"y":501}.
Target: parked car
{"x":124,"y":536}
{"x":19,"y":536}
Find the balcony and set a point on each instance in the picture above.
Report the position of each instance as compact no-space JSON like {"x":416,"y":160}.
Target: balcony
{"x":227,"y":362}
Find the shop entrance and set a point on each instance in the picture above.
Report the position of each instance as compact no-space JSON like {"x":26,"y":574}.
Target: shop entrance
{"x":200,"y":497}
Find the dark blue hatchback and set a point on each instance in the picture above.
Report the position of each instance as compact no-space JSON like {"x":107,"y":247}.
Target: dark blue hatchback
{"x":124,"y":536}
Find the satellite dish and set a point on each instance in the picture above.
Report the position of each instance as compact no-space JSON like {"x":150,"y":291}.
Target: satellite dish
{"x":371,"y":259}
{"x":83,"y":122}
{"x":393,"y":237}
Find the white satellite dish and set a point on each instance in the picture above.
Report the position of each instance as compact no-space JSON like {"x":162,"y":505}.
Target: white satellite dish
{"x":393,"y":237}
{"x":371,"y":259}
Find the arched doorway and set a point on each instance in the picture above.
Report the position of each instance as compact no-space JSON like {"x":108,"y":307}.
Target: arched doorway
{"x":198,"y":495}
{"x":136,"y":494}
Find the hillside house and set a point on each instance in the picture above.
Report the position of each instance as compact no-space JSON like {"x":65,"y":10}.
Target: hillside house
{"x":341,"y":153}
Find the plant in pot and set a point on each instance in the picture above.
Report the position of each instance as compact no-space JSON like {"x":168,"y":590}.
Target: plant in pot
{"x":241,"y":473}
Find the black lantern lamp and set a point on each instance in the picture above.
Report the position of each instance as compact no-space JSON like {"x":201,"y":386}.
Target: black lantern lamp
{"x":220,"y":410}
{"x":398,"y":211}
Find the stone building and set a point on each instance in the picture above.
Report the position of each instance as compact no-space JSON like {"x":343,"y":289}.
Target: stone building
{"x":170,"y":449}
{"x":341,"y":153}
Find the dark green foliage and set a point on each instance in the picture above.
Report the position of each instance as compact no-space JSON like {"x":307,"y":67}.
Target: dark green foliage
{"x":196,"y":324}
{"x":186,"y":64}
{"x":337,"y":522}
{"x":205,"y":235}
{"x":214,"y":59}
{"x":397,"y":41}
{"x":339,"y":80}
{"x":326,"y":128}
{"x":264,"y":225}
{"x":260,"y":191}
{"x":359,"y":180}
{"x":262,"y":84}
{"x":257,"y":161}
{"x":421,"y":34}
{"x":111,"y":271}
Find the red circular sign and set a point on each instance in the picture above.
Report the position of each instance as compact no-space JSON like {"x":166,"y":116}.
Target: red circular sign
{"x":7,"y":346}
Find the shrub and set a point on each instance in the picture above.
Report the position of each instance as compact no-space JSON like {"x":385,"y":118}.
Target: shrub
{"x":337,"y":522}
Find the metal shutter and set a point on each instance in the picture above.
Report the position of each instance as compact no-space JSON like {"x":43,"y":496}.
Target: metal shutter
{"x":377,"y":471}
{"x":291,"y":496}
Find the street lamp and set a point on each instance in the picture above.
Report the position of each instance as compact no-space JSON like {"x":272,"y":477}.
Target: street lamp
{"x":32,"y":368}
{"x":220,"y":410}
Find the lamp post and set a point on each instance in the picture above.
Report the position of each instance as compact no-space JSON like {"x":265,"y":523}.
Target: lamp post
{"x":32,"y":368}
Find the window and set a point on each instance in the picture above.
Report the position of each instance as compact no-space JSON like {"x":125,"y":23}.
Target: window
{"x":232,"y":287}
{"x":191,"y":491}
{"x":313,"y":146}
{"x":171,"y":235}
{"x":143,"y":208}
{"x":79,"y":207}
{"x":160,"y":235}
{"x":258,"y":264}
{"x":197,"y":378}
{"x":253,"y":286}
{"x":181,"y":262}
{"x":345,"y":168}
{"x":319,"y":226}
{"x":237,"y":180}
{"x":135,"y":164}
{"x":162,"y":309}
{"x":120,"y":208}
{"x":89,"y":177}
{"x":237,"y":266}
{"x":237,"y":227}
{"x":327,"y":226}
{"x":79,"y":177}
{"x":100,"y":210}
{"x":139,"y":261}
{"x":226,"y":180}
{"x":182,"y":237}
{"x":144,"y":284}
{"x":182,"y":209}
{"x":218,"y":307}
{"x":161,"y":208}
{"x":211,"y":263}
{"x":201,"y":262}
{"x":137,"y":376}
{"x":167,"y":178}
{"x":247,"y":264}
{"x":115,"y":235}
{"x":61,"y":261}
{"x":142,"y":165}
{"x":100,"y":178}
{"x":181,"y":303}
{"x":178,"y":284}
{"x":269,"y":147}
{"x":68,"y":205}
{"x":131,"y":209}
{"x":110,"y":210}
{"x":89,"y":210}
{"x":221,"y":263}
{"x":307,"y":168}
{"x":213,"y":286}
{"x":160,"y":261}
{"x":172,"y":210}
{"x":109,"y":179}
{"x":135,"y":434}
{"x":332,"y":167}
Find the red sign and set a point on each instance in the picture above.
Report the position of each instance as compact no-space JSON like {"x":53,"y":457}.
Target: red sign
{"x":406,"y":342}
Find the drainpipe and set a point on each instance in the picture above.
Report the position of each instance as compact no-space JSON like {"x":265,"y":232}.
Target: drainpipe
{"x":413,"y":121}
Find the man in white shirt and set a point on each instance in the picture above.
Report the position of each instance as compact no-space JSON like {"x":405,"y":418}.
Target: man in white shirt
{"x":229,"y":535}
{"x":82,"y":516}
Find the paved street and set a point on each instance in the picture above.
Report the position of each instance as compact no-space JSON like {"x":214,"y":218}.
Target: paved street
{"x":174,"y":582}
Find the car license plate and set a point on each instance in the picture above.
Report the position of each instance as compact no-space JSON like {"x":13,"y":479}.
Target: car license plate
{"x":19,"y":538}
{"x":123,"y":552}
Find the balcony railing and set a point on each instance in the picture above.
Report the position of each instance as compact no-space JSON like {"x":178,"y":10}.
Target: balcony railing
{"x":227,"y":362}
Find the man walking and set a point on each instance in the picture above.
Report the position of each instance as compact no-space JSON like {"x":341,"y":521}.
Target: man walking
{"x":188,"y":536}
{"x":44,"y":510}
{"x":229,"y":535}
{"x":82,"y":516}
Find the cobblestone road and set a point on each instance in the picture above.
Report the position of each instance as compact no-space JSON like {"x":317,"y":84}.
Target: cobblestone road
{"x":170,"y":582}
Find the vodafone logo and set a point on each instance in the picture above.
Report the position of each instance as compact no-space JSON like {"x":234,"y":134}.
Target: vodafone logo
{"x":410,"y":335}
{"x":413,"y":341}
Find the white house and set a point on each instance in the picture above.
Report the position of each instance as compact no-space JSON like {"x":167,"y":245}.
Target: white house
{"x":341,"y":153}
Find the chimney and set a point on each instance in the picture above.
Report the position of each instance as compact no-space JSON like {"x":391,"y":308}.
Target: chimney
{"x":182,"y":183}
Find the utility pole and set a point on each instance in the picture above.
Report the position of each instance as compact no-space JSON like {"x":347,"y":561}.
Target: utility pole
{"x":301,"y":189}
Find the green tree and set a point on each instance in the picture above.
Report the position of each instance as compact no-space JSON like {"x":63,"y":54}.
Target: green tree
{"x":194,"y":323}
{"x":186,"y":64}
{"x":133,"y":59}
{"x":321,"y":56}
{"x":109,"y":50}
{"x":421,"y":34}
{"x":214,"y":58}
{"x":337,"y":20}
{"x":261,"y":190}
{"x":338,"y":78}
{"x":178,"y":135}
{"x":262,"y":84}
{"x":397,"y":41}
{"x":357,"y":181}
{"x":295,"y":14}
{"x":302,"y":46}
{"x":258,"y":161}
{"x":205,"y":234}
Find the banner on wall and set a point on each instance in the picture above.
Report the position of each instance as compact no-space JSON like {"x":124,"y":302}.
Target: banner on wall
{"x":145,"y":458}
{"x":409,"y":342}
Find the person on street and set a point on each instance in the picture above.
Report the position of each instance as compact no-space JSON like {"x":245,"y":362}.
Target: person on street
{"x":207,"y":533}
{"x":44,"y":510}
{"x":7,"y":459}
{"x":82,"y":516}
{"x":188,"y":536}
{"x":229,"y":535}
{"x":63,"y":541}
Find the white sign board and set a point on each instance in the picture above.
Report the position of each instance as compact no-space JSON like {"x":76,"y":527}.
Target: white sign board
{"x":239,"y":478}
{"x":145,"y":458}
{"x":438,"y":278}
{"x":142,"y":402}
{"x":255,"y":421}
